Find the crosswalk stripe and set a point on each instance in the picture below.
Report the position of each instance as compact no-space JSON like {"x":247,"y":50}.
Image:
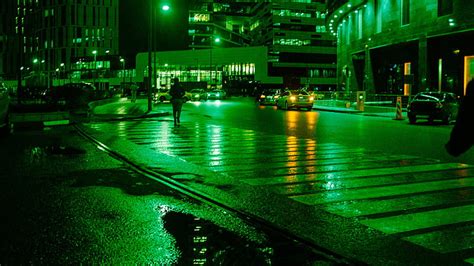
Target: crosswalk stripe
{"x":422,"y":220}
{"x":353,"y":174}
{"x":294,"y":169}
{"x":368,"y":193}
{"x":312,"y":161}
{"x":374,"y":181}
{"x":447,"y":240}
{"x":381,"y":206}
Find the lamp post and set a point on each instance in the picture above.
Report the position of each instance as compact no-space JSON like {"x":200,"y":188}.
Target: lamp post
{"x":43,"y":68}
{"x":213,"y":40}
{"x":122,"y":60}
{"x":95,"y":66}
{"x":164,"y":8}
{"x":62,"y":71}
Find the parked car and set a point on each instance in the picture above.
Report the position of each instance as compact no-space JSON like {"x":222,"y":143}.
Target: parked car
{"x":216,"y":94}
{"x":433,"y":105}
{"x":4,"y":109}
{"x":268,"y":97}
{"x":162,"y":95}
{"x":295,"y":99}
{"x":196,"y":95}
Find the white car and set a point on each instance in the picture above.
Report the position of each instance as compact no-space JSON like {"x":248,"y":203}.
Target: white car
{"x":4,"y":109}
{"x":295,"y":99}
{"x":196,"y":95}
{"x":216,"y":94}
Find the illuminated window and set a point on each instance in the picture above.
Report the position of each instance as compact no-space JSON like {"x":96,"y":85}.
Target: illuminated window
{"x":407,"y":83}
{"x":199,"y":17}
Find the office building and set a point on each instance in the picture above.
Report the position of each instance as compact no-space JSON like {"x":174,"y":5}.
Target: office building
{"x":65,"y":39}
{"x":301,"y":50}
{"x":9,"y":54}
{"x":403,"y":47}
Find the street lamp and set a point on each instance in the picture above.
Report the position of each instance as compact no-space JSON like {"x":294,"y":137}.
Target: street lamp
{"x":216,"y":40}
{"x":95,"y":65}
{"x":164,"y":8}
{"x":122,"y":60}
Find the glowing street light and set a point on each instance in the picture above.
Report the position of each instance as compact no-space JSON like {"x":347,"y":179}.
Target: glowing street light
{"x":165,"y":8}
{"x":122,"y":60}
{"x":216,"y":40}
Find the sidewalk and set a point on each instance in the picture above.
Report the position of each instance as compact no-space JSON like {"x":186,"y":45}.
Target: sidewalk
{"x":370,"y":109}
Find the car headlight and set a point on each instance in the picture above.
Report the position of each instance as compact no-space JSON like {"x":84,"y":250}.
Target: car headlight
{"x":311,"y":98}
{"x":292,"y":98}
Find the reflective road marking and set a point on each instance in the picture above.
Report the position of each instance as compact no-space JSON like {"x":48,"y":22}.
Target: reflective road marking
{"x":421,"y":220}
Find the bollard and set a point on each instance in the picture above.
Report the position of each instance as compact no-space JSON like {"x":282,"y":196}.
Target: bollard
{"x":399,"y":114}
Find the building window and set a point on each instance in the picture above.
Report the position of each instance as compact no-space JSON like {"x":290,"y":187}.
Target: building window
{"x":359,"y":24}
{"x":405,"y":12}
{"x":445,"y":7}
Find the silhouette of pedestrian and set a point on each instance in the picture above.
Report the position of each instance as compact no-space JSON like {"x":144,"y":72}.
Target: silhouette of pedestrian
{"x":462,"y":134}
{"x":134,"y":89}
{"x":177,"y":93}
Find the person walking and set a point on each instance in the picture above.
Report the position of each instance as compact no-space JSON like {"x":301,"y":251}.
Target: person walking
{"x":462,"y":134}
{"x":134,"y":89}
{"x":177,"y":93}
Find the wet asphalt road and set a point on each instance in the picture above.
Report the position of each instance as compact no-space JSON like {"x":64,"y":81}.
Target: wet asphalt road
{"x":358,"y":198}
{"x":66,"y":202}
{"x":379,"y":178}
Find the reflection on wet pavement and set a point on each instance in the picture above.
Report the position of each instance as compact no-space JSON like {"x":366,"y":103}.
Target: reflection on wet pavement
{"x":203,"y":243}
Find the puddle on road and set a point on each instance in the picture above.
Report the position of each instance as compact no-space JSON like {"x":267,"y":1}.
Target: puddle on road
{"x":203,"y":243}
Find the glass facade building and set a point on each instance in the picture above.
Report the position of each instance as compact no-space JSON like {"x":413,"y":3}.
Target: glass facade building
{"x":56,"y":37}
{"x":403,"y":47}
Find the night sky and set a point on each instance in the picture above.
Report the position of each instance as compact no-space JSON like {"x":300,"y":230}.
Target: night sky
{"x":171,"y":31}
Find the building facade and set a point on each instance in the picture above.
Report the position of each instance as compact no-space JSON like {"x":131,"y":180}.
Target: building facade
{"x":402,"y":47}
{"x":227,"y":22}
{"x":64,"y":39}
{"x":301,"y":50}
{"x":9,"y":49}
{"x":247,"y":64}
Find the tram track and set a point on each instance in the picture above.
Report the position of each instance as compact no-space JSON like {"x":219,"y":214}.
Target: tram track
{"x":249,"y":218}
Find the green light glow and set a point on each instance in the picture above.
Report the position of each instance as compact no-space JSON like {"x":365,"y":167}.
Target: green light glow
{"x":165,"y":7}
